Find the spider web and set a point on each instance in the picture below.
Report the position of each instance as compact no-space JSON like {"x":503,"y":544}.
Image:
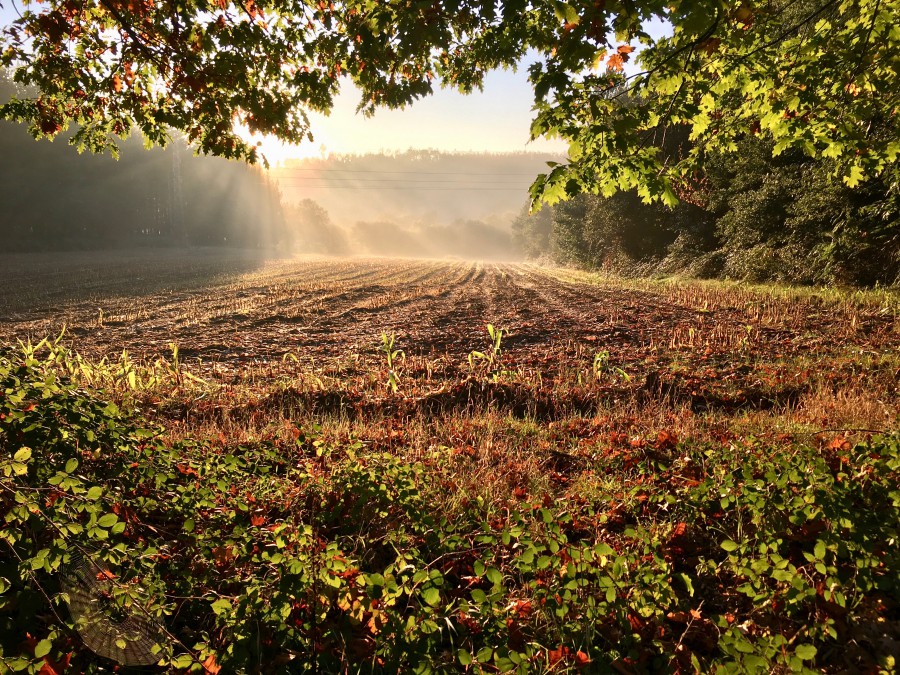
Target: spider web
{"x":107,"y":629}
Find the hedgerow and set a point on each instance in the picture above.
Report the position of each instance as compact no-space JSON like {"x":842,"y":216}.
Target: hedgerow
{"x":317,"y":557}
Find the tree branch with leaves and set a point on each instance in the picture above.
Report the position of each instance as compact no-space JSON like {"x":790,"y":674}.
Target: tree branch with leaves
{"x":814,"y":75}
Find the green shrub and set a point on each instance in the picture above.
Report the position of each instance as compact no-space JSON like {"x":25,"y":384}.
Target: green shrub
{"x":308,"y":557}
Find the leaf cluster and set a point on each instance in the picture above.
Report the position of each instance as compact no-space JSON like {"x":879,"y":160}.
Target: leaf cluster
{"x":815,"y":76}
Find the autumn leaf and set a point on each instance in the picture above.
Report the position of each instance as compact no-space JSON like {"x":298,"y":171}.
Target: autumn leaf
{"x":582,"y":660}
{"x":554,"y":656}
{"x":51,"y":667}
{"x":666,"y":440}
{"x":743,"y":15}
{"x":615,"y":63}
{"x":210,"y":665}
{"x":710,"y":45}
{"x":187,"y":470}
{"x":839,"y":443}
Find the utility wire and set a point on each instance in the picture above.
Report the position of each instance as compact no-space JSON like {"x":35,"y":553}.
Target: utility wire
{"x":398,"y":181}
{"x":417,"y":173}
{"x":405,"y":187}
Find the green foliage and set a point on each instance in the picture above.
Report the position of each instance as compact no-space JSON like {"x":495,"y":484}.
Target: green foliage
{"x":531,"y":232}
{"x":490,"y":360}
{"x":753,"y":217}
{"x":789,"y":219}
{"x":314,"y":557}
{"x":602,"y":368}
{"x":812,"y":76}
{"x":390,"y":356}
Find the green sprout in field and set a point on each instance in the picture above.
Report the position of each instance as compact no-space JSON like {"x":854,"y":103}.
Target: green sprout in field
{"x":493,"y":354}
{"x":492,"y":357}
{"x":391,"y":355}
{"x":601,"y":367}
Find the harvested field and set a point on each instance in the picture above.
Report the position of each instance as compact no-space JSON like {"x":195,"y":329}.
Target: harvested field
{"x":665,"y":425}
{"x":701,"y":347}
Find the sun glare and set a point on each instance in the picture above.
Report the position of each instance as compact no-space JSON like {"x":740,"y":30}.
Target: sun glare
{"x":278,"y":152}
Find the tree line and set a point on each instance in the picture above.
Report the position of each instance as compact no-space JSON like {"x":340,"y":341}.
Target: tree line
{"x":52,"y":198}
{"x":751,"y":216}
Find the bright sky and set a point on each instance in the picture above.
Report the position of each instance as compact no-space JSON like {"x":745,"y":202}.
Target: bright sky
{"x":495,"y":120}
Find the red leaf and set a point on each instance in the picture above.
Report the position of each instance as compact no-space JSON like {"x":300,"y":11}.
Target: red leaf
{"x":554,"y":656}
{"x":52,"y":667}
{"x":839,"y":443}
{"x":210,"y":665}
{"x":666,"y":440}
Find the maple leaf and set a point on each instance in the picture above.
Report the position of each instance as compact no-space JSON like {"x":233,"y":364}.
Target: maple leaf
{"x":744,"y":15}
{"x":615,"y":63}
{"x":710,"y":45}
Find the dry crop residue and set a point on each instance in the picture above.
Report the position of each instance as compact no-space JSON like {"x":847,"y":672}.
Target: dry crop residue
{"x":705,"y":347}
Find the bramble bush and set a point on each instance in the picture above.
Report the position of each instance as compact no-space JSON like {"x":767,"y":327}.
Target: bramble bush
{"x":309,"y":557}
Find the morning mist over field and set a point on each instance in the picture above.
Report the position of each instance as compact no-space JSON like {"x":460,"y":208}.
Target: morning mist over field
{"x":411,"y":203}
{"x":414,"y":203}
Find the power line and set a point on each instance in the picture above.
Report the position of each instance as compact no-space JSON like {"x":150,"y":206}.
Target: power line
{"x":403,"y":181}
{"x":406,"y":187}
{"x":417,"y":173}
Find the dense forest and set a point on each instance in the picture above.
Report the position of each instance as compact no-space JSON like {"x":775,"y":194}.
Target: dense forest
{"x":752,"y":216}
{"x":52,"y":198}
